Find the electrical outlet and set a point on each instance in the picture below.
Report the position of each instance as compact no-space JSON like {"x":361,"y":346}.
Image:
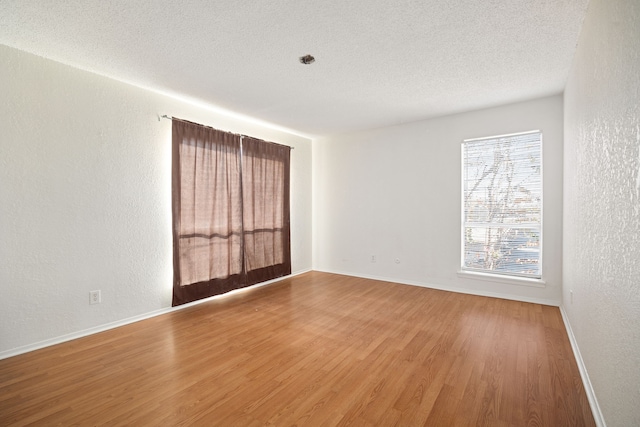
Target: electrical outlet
{"x":373,"y":258}
{"x":95,"y":297}
{"x":571,"y":296}
{"x":397,"y":260}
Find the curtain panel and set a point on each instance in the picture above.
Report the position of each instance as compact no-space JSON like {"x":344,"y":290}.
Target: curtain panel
{"x":265,"y":197}
{"x":230,"y":202}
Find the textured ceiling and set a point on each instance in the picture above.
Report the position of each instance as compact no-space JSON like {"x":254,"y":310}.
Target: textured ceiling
{"x":378,"y":62}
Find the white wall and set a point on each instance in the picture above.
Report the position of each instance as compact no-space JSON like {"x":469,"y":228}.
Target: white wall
{"x":85,"y":197}
{"x":602,"y":205}
{"x":395,"y":193}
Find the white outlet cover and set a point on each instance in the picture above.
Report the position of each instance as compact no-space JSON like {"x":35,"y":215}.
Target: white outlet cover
{"x":95,"y":297}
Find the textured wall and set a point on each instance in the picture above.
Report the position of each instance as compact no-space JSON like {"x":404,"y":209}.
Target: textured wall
{"x":395,"y":193}
{"x":85,"y":197}
{"x":602,"y":205}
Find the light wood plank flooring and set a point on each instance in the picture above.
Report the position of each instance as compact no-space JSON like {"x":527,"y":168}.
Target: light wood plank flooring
{"x":317,"y":349}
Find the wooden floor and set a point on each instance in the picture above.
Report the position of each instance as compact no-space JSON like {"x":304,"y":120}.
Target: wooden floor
{"x":319,"y":350}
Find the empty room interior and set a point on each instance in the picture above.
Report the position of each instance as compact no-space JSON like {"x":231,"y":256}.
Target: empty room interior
{"x":320,"y":213}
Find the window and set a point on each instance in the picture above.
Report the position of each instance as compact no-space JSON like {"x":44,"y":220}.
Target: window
{"x":230,"y":196}
{"x":502,"y":205}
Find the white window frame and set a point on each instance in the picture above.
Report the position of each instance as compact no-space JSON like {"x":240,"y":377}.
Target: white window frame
{"x":491,"y":275}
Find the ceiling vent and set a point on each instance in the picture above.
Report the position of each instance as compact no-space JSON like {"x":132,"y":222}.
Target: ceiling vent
{"x":307,"y":59}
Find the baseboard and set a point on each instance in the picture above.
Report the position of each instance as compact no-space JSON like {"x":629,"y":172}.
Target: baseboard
{"x":112,"y":325}
{"x":542,"y":301}
{"x":588,"y":388}
{"x":79,"y":334}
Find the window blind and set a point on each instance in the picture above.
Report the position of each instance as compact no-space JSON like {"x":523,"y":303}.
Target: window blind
{"x":502,"y":204}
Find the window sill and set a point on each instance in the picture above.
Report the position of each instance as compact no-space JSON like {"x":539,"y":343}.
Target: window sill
{"x":511,"y":280}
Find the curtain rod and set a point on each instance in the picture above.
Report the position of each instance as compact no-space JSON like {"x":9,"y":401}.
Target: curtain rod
{"x":164,"y":116}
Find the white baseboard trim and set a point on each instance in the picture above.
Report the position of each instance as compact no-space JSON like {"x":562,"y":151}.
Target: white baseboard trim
{"x":112,"y":325}
{"x":588,"y":388}
{"x":542,"y":301}
{"x":79,"y":334}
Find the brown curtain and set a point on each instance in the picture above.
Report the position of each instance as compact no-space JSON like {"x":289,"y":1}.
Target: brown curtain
{"x":207,"y":212}
{"x":265,"y":199}
{"x":213,"y":251}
